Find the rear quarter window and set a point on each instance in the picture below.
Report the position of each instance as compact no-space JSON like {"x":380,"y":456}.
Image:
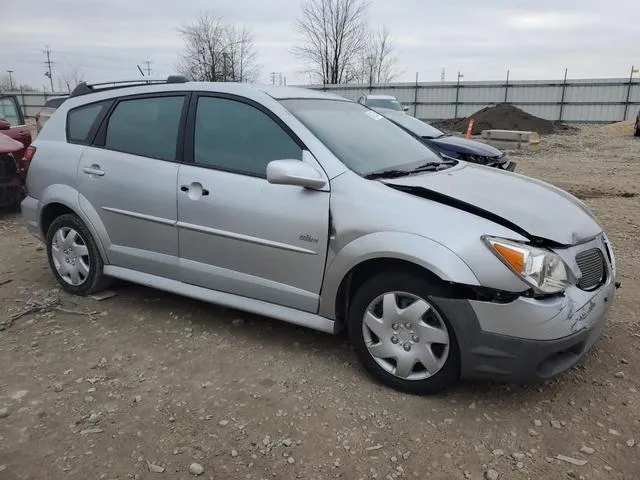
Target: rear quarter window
{"x":82,"y":120}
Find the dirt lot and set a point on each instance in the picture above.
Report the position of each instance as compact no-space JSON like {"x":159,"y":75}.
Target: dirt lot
{"x":150,"y":382}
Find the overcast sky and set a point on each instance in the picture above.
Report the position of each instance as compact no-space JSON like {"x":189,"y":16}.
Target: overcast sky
{"x":535,"y":40}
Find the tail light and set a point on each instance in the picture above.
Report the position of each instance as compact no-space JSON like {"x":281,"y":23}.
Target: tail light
{"x":25,"y":161}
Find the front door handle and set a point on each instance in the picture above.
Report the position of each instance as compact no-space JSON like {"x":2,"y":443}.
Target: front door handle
{"x":94,"y":170}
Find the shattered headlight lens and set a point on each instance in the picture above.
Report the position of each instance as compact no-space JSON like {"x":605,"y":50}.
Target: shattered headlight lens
{"x":541,"y":268}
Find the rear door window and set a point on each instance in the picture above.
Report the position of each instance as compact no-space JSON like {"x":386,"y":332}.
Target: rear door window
{"x":81,"y":120}
{"x":146,"y":126}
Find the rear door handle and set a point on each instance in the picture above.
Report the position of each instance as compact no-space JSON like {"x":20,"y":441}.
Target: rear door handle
{"x":94,"y":170}
{"x":195,"y":188}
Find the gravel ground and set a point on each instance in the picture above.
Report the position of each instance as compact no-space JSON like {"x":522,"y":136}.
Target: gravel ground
{"x":147,"y":384}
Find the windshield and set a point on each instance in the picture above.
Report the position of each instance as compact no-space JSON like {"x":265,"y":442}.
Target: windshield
{"x":414,"y":125}
{"x":362,"y":139}
{"x":390,"y":103}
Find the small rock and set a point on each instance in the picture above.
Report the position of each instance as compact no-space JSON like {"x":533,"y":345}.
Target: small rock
{"x":234,"y":453}
{"x":572,"y":461}
{"x":196,"y":469}
{"x":491,"y":474}
{"x":587,"y":450}
{"x":619,"y":374}
{"x":3,"y":468}
{"x":291,"y":460}
{"x":155,"y":468}
{"x":520,"y":465}
{"x":614,"y":432}
{"x":266,"y":440}
{"x":624,"y":361}
{"x":394,"y":459}
{"x":406,"y":455}
{"x":137,"y":399}
{"x":93,"y":418}
{"x":467,"y":474}
{"x":631,"y":442}
{"x":4,"y":412}
{"x":287,"y":442}
{"x":223,"y":423}
{"x":607,"y":468}
{"x":57,"y":387}
{"x":498,"y":452}
{"x":555,"y":424}
{"x":237,"y":321}
{"x":533,"y":433}
{"x":172,"y":419}
{"x":518,"y":456}
{"x":537,"y":423}
{"x":89,"y":431}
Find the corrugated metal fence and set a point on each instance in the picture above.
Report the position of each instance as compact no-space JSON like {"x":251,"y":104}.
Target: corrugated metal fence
{"x":591,"y":100}
{"x":596,"y":100}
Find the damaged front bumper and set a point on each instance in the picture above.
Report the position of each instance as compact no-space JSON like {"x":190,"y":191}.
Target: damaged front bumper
{"x":528,"y":339}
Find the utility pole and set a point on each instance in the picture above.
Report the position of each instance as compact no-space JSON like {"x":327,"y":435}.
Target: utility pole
{"x":626,"y":103}
{"x":148,"y":68}
{"x":10,"y":72}
{"x":273,"y":78}
{"x":443,"y":75}
{"x":460,"y":75}
{"x":48,"y":63}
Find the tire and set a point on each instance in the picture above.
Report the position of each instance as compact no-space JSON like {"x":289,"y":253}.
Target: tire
{"x":397,"y":343}
{"x":75,"y":259}
{"x":637,"y":132}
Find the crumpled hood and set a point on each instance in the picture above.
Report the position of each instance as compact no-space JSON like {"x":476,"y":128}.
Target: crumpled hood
{"x":463,"y":145}
{"x":538,"y":209}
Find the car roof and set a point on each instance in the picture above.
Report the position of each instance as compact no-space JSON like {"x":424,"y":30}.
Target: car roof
{"x":136,"y":87}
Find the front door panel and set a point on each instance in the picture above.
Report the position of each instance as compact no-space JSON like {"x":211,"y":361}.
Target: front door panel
{"x":251,"y":238}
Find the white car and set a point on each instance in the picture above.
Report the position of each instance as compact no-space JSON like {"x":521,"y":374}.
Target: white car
{"x":50,"y":106}
{"x":382,"y":101}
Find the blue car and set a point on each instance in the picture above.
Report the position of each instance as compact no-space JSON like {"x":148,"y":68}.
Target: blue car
{"x":449,"y":145}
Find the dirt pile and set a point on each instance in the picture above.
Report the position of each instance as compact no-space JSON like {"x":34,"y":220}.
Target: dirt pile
{"x":502,"y":117}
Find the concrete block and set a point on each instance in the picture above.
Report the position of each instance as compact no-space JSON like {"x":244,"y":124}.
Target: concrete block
{"x":511,"y":135}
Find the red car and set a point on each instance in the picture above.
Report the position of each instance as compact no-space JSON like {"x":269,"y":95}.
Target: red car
{"x":15,"y":137}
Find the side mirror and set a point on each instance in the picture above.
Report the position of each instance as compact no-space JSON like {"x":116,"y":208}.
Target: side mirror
{"x":294,"y":172}
{"x":4,"y":125}
{"x":405,"y":109}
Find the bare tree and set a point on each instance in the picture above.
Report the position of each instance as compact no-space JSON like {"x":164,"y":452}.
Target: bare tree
{"x":378,"y":61}
{"x":217,"y":51}
{"x":334,"y":37}
{"x":70,"y":78}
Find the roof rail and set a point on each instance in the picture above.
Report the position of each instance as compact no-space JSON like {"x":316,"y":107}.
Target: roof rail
{"x":85,"y":88}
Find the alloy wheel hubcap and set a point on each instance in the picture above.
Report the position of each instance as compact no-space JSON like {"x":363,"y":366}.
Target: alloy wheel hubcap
{"x":406,"y":336}
{"x":70,"y":256}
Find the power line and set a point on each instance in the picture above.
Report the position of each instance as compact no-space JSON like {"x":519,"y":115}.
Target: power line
{"x":48,"y":63}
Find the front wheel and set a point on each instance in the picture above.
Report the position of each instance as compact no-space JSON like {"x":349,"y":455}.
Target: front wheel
{"x":401,"y":337}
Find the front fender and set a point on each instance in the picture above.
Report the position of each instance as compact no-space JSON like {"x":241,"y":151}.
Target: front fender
{"x":421,"y":251}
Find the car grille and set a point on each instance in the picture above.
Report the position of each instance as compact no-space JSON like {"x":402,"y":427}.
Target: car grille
{"x":591,"y":263}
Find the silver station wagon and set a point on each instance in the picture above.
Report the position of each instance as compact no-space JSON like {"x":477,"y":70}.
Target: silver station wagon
{"x":318,"y":211}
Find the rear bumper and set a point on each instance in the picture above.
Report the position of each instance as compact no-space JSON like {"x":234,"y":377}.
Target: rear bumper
{"x":30,"y":209}
{"x":497,"y":356}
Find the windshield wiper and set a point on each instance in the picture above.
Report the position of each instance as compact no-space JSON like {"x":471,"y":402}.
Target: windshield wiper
{"x":392,"y":173}
{"x":425,"y":167}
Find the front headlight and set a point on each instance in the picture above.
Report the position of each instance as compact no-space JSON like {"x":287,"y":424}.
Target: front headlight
{"x":542,"y":269}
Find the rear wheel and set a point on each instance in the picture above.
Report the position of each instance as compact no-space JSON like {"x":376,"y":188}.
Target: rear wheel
{"x":400,"y":335}
{"x":74,"y":257}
